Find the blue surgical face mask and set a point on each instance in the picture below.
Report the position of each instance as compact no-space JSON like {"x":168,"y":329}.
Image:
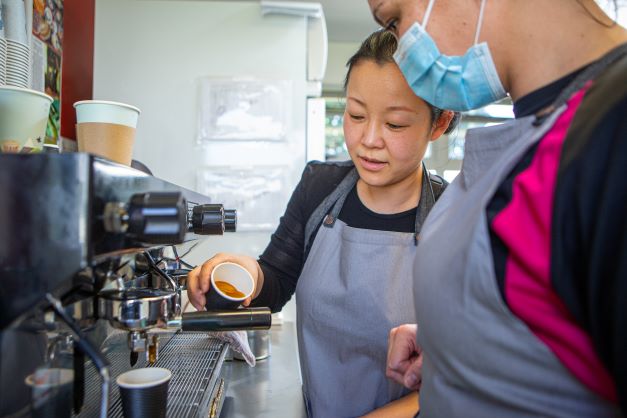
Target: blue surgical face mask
{"x":456,"y":83}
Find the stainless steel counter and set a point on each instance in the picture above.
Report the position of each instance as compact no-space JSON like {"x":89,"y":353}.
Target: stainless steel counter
{"x":272,"y":388}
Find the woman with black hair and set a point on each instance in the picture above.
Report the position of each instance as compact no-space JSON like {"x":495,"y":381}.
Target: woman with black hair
{"x":347,"y":241}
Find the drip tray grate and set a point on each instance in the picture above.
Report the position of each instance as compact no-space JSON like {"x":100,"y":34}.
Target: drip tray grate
{"x":194,"y":359}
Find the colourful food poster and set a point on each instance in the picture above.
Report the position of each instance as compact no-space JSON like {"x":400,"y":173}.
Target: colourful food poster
{"x":48,"y":28}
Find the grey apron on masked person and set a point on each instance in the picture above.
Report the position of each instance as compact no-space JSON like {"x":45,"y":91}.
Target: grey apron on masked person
{"x":354,"y":287}
{"x":480,"y":360}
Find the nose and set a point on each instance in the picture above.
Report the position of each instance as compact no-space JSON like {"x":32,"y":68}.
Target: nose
{"x":373,"y":135}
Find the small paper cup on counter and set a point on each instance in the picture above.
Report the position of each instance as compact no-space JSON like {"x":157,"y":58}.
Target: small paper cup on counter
{"x":51,"y":392}
{"x":106,"y":129}
{"x":144,"y":392}
{"x":236,"y":277}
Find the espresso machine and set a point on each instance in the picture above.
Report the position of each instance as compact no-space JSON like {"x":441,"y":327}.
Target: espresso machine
{"x":92,"y":269}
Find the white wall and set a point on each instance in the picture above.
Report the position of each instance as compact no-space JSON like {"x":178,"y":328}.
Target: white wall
{"x":152,"y":53}
{"x":339,"y":53}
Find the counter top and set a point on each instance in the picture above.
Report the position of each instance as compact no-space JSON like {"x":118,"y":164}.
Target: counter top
{"x":272,"y":388}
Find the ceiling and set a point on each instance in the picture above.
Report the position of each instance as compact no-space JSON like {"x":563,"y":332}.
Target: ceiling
{"x":347,"y":20}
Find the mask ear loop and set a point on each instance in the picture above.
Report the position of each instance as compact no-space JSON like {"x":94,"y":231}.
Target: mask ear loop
{"x":425,"y":20}
{"x":427,"y":14}
{"x":479,"y":22}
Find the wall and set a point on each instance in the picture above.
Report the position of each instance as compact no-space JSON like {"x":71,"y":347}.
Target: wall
{"x":152,"y":54}
{"x":339,"y":53}
{"x":78,"y":59}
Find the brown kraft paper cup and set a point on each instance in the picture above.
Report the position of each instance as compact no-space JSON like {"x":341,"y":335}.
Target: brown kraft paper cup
{"x":108,"y":140}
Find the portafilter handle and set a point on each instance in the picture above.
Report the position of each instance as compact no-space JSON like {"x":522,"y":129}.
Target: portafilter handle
{"x":232,"y":320}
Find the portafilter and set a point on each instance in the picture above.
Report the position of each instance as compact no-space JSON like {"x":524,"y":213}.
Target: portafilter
{"x":139,"y":309}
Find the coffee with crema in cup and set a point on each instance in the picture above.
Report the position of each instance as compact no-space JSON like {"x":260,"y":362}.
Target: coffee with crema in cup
{"x":106,"y":129}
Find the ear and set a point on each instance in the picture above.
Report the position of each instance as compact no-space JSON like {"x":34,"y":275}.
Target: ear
{"x":441,"y":124}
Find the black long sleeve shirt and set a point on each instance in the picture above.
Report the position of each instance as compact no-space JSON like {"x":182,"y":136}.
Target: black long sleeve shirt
{"x":284,"y":258}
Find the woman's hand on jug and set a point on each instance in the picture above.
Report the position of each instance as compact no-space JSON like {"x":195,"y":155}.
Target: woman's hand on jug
{"x":404,"y":363}
{"x":199,"y":279}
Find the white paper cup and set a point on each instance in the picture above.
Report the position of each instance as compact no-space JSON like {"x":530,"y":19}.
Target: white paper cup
{"x":23,"y":119}
{"x":51,"y":392}
{"x":106,"y":129}
{"x":238,"y":277}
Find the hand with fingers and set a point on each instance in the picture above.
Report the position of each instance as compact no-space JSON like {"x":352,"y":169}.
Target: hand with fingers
{"x":199,"y":279}
{"x":404,"y":362}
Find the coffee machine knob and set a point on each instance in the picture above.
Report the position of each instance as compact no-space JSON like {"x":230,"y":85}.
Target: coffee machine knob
{"x":157,"y":217}
{"x":230,"y":220}
{"x":208,"y":220}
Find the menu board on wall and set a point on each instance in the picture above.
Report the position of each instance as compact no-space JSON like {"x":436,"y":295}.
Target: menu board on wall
{"x":47,"y":51}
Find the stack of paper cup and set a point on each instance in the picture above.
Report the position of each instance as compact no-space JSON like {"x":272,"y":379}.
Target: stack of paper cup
{"x":17,"y":56}
{"x":14,"y":17}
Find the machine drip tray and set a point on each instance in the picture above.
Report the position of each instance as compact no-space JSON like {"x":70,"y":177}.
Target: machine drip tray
{"x":195,"y":360}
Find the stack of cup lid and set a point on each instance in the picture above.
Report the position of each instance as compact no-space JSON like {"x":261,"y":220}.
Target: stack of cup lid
{"x":3,"y":60}
{"x":17,"y":64}
{"x":3,"y":50}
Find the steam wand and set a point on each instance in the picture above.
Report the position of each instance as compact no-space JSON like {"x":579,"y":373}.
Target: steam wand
{"x":101,"y":363}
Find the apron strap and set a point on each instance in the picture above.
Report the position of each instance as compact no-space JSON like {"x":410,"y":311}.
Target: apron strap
{"x":586,"y":75}
{"x":344,"y":188}
{"x":331,"y":206}
{"x":426,"y":202}
{"x":323,"y":208}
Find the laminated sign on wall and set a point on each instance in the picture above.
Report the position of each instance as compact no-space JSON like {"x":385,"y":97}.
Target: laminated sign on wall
{"x":47,"y":51}
{"x":243,"y":109}
{"x":257,"y":192}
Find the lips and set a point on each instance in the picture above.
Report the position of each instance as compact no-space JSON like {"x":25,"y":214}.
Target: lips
{"x":372,"y":164}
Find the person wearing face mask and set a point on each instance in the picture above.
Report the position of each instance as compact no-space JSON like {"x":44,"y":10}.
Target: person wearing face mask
{"x":346,"y":243}
{"x":525,"y":312}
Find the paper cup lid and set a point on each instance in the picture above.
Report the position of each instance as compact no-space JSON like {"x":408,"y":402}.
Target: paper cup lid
{"x":24,"y":90}
{"x":144,"y":378}
{"x":50,"y":377}
{"x":103,"y":111}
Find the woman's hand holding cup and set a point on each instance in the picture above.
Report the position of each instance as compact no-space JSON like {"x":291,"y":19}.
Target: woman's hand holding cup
{"x":199,"y":282}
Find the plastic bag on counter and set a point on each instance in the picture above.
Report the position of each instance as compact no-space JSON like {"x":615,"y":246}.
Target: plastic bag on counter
{"x":238,"y":341}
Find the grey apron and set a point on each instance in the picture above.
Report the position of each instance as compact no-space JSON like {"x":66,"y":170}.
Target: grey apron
{"x":355,"y":286}
{"x":479,"y":359}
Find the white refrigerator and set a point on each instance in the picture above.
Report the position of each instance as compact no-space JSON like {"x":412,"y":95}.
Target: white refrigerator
{"x":227,"y":92}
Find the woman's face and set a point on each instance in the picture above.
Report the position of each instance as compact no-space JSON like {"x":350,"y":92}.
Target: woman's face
{"x":386,"y":127}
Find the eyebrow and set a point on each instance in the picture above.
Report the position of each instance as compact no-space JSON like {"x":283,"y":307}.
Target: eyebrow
{"x":376,"y":17}
{"x":389,"y":108}
{"x":357,"y":100}
{"x":404,"y":108}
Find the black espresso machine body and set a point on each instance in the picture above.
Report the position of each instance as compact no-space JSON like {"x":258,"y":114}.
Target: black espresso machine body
{"x":51,"y":218}
{"x":73,"y":229}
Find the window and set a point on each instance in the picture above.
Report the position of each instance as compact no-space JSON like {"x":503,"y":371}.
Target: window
{"x":335,"y":147}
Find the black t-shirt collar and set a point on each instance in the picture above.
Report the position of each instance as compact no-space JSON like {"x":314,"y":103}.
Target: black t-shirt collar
{"x":538,"y":99}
